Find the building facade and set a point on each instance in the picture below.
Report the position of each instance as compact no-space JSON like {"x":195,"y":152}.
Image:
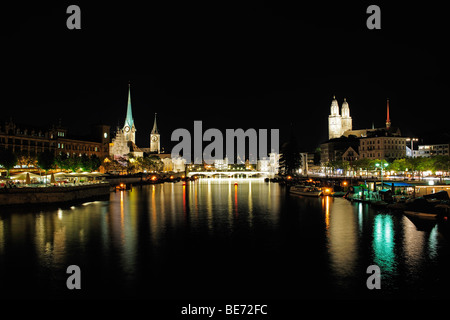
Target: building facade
{"x":382,"y":147}
{"x":338,"y":148}
{"x":430,"y":150}
{"x":30,"y":141}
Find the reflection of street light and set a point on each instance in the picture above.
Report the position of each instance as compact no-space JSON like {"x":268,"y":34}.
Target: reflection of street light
{"x":381,"y":167}
{"x":412,"y":145}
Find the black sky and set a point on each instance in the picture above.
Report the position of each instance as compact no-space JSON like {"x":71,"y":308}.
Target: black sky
{"x":257,"y":65}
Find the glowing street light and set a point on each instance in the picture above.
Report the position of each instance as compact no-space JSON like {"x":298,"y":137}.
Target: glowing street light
{"x":381,"y":165}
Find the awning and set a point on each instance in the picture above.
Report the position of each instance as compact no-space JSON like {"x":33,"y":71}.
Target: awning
{"x":396,"y":184}
{"x":23,"y":176}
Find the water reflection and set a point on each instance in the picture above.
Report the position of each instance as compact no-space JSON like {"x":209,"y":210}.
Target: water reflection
{"x":145,"y":235}
{"x":342,"y":235}
{"x":383,"y":243}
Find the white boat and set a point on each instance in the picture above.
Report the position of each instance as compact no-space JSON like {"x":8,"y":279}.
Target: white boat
{"x":420,"y":215}
{"x":306,"y":191}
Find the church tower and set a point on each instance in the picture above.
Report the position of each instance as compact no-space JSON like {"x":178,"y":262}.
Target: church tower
{"x":129,"y":129}
{"x":334,"y":121}
{"x":154,"y":138}
{"x":346,"y":119}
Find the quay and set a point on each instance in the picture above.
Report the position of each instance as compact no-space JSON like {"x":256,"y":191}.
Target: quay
{"x":53,"y":194}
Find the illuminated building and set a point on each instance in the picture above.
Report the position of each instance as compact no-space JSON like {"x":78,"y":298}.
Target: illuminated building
{"x":155,"y":139}
{"x":430,"y":150}
{"x":382,"y":147}
{"x":124,"y":142}
{"x":337,"y":123}
{"x":221,"y":164}
{"x":29,"y":140}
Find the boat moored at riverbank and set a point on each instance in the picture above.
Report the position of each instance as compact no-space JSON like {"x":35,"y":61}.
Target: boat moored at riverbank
{"x":309,"y":191}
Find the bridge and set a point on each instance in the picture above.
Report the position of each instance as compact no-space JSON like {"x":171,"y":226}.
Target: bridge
{"x":228,"y":174}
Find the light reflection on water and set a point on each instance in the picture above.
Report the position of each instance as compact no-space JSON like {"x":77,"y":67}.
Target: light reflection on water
{"x":234,"y":231}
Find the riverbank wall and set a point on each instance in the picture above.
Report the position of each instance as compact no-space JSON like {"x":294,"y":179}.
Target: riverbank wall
{"x":52,"y":195}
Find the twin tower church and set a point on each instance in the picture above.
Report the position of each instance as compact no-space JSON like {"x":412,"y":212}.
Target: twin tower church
{"x":338,"y":124}
{"x":124,"y":143}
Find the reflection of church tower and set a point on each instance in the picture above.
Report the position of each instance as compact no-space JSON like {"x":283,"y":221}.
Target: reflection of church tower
{"x":129,"y":129}
{"x":346,"y":119}
{"x":154,"y":138}
{"x":334,"y":121}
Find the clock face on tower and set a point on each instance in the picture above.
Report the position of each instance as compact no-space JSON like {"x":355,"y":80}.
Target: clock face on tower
{"x":127,"y":128}
{"x":154,"y":138}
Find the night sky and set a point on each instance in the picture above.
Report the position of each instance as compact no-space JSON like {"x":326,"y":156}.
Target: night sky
{"x":230,"y":65}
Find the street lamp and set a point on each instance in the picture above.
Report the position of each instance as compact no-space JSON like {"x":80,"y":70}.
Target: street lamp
{"x":381,"y":165}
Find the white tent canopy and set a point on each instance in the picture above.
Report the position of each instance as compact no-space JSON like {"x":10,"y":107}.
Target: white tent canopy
{"x":23,"y":176}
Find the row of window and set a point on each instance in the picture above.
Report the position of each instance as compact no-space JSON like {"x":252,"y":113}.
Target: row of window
{"x":77,"y":147}
{"x":385,"y":148}
{"x":434,"y":147}
{"x":389,"y":141}
{"x":45,"y":144}
{"x":387,"y":155}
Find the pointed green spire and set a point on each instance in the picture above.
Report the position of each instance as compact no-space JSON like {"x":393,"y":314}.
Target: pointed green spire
{"x":129,"y":119}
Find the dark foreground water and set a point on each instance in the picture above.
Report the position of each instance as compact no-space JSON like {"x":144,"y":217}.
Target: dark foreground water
{"x":215,"y":240}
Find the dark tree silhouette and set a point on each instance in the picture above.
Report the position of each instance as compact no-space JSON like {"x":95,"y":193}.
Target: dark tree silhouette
{"x":290,"y":159}
{"x":8,"y":160}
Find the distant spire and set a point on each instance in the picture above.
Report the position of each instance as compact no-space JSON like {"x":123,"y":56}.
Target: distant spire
{"x":155,"y":128}
{"x":129,"y":119}
{"x":388,"y":120}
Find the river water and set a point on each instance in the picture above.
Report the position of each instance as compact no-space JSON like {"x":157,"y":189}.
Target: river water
{"x":215,"y":239}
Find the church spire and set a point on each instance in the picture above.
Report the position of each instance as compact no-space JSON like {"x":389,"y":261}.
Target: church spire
{"x":155,"y":128}
{"x":388,"y":120}
{"x":129,"y":119}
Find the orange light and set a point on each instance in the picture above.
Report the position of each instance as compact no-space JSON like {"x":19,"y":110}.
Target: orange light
{"x":344,"y":183}
{"x":154,"y":178}
{"x":171,"y":177}
{"x":289,"y":177}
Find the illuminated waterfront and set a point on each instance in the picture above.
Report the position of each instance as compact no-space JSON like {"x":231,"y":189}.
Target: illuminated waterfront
{"x":218,"y":239}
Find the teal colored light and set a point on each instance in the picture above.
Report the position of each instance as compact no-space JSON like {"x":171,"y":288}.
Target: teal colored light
{"x":383,"y":243}
{"x":129,"y":119}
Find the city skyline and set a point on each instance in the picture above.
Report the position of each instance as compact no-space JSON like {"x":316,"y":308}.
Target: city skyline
{"x":267,"y":69}
{"x":301,"y":168}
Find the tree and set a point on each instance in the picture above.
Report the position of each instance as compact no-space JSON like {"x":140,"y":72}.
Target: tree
{"x":73,"y":163}
{"x":8,"y":160}
{"x":46,"y":160}
{"x":112,"y":165}
{"x":26,"y":159}
{"x":62,"y":161}
{"x":418,"y":164}
{"x":84,"y":163}
{"x":290,"y":159}
{"x":399,"y":165}
{"x":441,"y":163}
{"x":363,"y":164}
{"x":94,"y":163}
